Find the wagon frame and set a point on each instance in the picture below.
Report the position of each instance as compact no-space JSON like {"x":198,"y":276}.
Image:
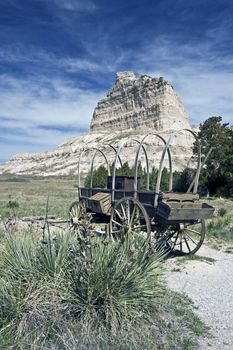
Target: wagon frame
{"x":177,"y":220}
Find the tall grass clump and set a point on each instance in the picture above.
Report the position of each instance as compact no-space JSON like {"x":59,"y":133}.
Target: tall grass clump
{"x":222,"y":211}
{"x":109,"y":281}
{"x":94,"y":287}
{"x":221,"y":226}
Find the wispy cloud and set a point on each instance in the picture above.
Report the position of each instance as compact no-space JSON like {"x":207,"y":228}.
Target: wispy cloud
{"x":202,"y":77}
{"x":75,"y":5}
{"x":19,"y":54}
{"x":51,"y":100}
{"x":59,"y":57}
{"x":42,"y":111}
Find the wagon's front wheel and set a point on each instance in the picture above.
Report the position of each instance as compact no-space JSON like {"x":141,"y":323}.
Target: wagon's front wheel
{"x":76,"y":215}
{"x":129,"y":217}
{"x":188,"y":238}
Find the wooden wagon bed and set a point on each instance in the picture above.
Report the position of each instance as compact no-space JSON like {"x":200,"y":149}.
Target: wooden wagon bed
{"x":172,"y":207}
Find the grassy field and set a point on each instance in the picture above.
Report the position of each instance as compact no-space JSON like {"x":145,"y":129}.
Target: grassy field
{"x":93,"y":297}
{"x":63,"y":295}
{"x":220,"y":227}
{"x":31,"y":194}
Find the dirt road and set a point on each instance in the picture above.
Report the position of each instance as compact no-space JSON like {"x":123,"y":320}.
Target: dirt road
{"x":210,"y":286}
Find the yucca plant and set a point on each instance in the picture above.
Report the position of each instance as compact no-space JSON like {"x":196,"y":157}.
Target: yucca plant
{"x":19,"y":258}
{"x":53,"y":255}
{"x":110,"y":280}
{"x":104,"y":284}
{"x":26,"y":257}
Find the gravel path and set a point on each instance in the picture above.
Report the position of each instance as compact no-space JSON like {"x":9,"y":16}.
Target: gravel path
{"x":210,"y":286}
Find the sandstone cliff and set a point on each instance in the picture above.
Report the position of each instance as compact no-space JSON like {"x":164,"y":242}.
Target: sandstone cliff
{"x":134,"y":106}
{"x":140,"y":103}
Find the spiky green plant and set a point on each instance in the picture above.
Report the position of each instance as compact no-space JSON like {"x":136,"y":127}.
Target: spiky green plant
{"x":110,"y":279}
{"x":93,"y":293}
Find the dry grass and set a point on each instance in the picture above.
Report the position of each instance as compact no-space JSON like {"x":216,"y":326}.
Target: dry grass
{"x":98,"y":298}
{"x":31,"y":194}
{"x":220,"y":227}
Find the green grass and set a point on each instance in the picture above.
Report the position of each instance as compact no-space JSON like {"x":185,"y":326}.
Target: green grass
{"x":73,"y":294}
{"x":31,"y":195}
{"x":187,"y":258}
{"x":220,"y":227}
{"x":89,"y":295}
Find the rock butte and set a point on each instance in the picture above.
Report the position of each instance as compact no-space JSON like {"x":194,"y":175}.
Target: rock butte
{"x":142,"y":103}
{"x":133,"y":107}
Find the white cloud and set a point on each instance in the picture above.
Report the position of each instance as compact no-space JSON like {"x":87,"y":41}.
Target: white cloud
{"x":41,"y":100}
{"x":77,"y":65}
{"x":20,"y":54}
{"x":202,"y":77}
{"x":42,"y":112}
{"x":75,"y":5}
{"x":206,"y":94}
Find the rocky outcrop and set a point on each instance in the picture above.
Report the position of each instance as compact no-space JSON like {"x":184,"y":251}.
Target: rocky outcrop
{"x":140,"y":103}
{"x":132,"y":107}
{"x":63,"y":160}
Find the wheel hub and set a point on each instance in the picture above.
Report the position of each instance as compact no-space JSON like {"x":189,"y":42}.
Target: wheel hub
{"x":181,"y":227}
{"x":75,"y":221}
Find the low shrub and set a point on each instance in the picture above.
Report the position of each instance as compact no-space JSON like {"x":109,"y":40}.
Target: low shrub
{"x":96,"y":284}
{"x":222,"y":211}
{"x":221,"y":227}
{"x":94,"y":293}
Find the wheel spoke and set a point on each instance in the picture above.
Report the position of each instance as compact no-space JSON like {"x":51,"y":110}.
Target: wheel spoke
{"x":176,"y":240}
{"x":180,"y":241}
{"x":139,"y":226}
{"x":194,"y":242}
{"x":128,"y":213}
{"x":193,"y":231}
{"x":117,"y":223}
{"x":185,"y":239}
{"x":119,"y":215}
{"x":117,"y":231}
{"x":132,"y":215}
{"x":123,"y":211}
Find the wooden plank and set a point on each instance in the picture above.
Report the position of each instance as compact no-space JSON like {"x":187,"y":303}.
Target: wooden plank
{"x":100,"y":196}
{"x":170,"y":196}
{"x":100,"y":202}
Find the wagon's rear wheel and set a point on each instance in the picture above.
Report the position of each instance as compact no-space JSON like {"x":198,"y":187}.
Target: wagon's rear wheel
{"x":129,"y":217}
{"x":188,"y":238}
{"x":76,"y":215}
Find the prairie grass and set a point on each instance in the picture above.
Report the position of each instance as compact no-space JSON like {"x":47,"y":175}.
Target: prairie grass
{"x":97,"y":294}
{"x":220,"y":227}
{"x":31,"y":193}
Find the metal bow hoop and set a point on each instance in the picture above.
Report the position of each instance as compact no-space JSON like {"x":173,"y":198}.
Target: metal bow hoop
{"x":119,"y":148}
{"x":138,"y":153}
{"x":78,"y":167}
{"x":92,"y":164}
{"x":115,"y":150}
{"x":85,"y":150}
{"x":97,"y":150}
{"x":196,"y":180}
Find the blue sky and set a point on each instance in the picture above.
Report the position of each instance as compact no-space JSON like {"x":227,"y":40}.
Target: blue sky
{"x":59,"y":57}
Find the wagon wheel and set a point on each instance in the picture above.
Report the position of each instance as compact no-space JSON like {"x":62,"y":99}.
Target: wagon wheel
{"x":76,"y":215}
{"x":129,"y":217}
{"x":186,"y":238}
